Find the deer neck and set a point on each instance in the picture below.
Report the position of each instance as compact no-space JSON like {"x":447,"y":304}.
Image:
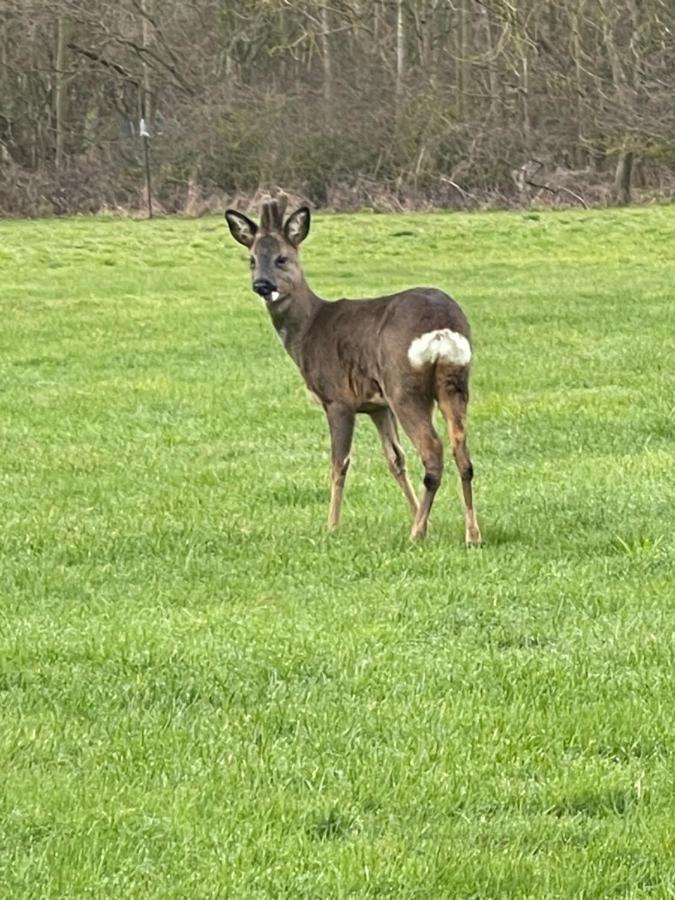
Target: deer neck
{"x":293,"y":315}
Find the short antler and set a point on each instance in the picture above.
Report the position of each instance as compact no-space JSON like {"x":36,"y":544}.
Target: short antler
{"x":272,"y":214}
{"x":281,"y":202}
{"x":266,"y":217}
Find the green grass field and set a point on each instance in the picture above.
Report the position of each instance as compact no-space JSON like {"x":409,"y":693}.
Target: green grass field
{"x":204,"y":695}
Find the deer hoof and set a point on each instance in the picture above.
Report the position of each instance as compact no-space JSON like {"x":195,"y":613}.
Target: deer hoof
{"x":473,"y":538}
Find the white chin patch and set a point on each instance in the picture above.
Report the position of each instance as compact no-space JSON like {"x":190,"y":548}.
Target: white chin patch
{"x":274,"y":296}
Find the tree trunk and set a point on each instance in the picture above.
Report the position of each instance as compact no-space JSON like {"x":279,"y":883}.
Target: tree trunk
{"x":146,"y":105}
{"x":460,"y":57}
{"x":622,"y":179}
{"x":326,"y":59}
{"x":145,"y":40}
{"x":60,"y":89}
{"x":400,"y":51}
{"x":496,"y":106}
{"x":4,"y":91}
{"x":425,"y":28}
{"x":525,"y":100}
{"x":580,"y":153}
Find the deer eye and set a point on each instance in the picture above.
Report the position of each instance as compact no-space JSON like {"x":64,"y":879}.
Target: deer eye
{"x":251,"y":261}
{"x":281,"y":261}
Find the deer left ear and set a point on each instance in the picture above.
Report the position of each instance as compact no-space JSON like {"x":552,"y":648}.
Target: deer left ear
{"x":296,"y":228}
{"x":242,"y":228}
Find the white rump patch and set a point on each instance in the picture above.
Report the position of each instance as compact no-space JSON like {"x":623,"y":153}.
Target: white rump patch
{"x":442,"y":345}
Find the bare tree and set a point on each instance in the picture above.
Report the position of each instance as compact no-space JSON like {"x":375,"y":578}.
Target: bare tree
{"x":418,"y":101}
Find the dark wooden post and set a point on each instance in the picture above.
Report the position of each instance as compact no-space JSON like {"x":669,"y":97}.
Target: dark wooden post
{"x":145,"y":137}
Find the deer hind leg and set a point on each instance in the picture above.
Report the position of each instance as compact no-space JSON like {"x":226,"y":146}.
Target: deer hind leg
{"x":384,"y":421}
{"x":414,"y":414}
{"x":453,"y":399}
{"x":341,"y":425}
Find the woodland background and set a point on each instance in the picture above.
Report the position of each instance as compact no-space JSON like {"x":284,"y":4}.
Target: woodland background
{"x":389,"y":104}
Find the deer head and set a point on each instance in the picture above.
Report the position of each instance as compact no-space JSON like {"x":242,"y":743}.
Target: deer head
{"x":273,"y":245}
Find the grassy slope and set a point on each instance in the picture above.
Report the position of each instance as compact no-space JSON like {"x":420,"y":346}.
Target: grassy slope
{"x":202,"y":694}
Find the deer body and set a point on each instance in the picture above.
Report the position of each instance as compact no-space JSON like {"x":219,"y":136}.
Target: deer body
{"x":355,"y":352}
{"x":390,"y":357}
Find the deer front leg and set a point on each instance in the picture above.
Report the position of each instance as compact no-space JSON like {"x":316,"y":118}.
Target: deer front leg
{"x":341,"y":424}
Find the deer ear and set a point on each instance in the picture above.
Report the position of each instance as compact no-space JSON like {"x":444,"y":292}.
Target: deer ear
{"x":296,"y":228}
{"x":242,"y":228}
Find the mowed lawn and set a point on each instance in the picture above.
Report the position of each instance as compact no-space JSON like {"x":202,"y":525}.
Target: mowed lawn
{"x":205,"y":695}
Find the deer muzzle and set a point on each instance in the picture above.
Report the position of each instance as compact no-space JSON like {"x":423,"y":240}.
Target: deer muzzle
{"x":265,"y":288}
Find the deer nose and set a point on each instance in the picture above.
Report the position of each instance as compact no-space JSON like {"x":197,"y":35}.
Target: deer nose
{"x":264,"y":287}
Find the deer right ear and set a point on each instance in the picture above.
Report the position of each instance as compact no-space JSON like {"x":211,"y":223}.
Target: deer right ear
{"x":296,"y":228}
{"x":242,"y":228}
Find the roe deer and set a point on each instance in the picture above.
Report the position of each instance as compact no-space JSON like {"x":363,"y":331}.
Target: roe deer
{"x":390,"y":357}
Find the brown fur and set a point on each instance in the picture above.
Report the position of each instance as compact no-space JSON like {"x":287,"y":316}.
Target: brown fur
{"x":353,"y":356}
